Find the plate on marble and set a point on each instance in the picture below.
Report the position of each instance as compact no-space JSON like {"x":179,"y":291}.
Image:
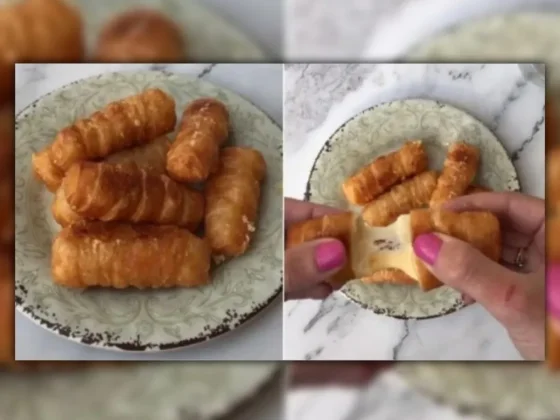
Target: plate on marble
{"x":209,"y":38}
{"x":166,"y":391}
{"x":137,"y":320}
{"x":378,"y":131}
{"x":515,"y":391}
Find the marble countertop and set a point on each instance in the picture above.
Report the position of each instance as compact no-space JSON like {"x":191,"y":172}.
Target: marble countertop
{"x":260,"y":339}
{"x":318,"y":99}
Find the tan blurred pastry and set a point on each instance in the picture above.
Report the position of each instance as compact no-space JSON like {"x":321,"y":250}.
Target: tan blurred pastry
{"x":475,"y":189}
{"x":377,"y":177}
{"x":40,"y":31}
{"x":141,"y":35}
{"x":7,"y":83}
{"x":195,"y":152}
{"x":118,"y":255}
{"x":6,"y":175}
{"x":553,"y":241}
{"x":551,"y":125}
{"x":385,"y":254}
{"x":459,"y":170}
{"x":6,"y":305}
{"x":553,"y":344}
{"x":553,"y":180}
{"x":103,"y":191}
{"x":151,"y":156}
{"x":232,"y":201}
{"x":6,"y":138}
{"x":337,"y":226}
{"x":411,"y":194}
{"x":123,"y":124}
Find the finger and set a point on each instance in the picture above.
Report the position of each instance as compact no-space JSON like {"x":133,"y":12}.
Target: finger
{"x":312,"y":263}
{"x":523,"y":213}
{"x":464,"y":268}
{"x":320,"y":292}
{"x":467,"y":300}
{"x":331,"y":373}
{"x":516,"y":239}
{"x":297,"y":210}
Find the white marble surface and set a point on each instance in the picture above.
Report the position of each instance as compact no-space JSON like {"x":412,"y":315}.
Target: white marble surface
{"x":259,"y":339}
{"x":387,"y":397}
{"x":318,"y":99}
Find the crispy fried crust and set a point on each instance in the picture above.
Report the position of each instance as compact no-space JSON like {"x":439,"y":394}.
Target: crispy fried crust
{"x":117,"y":255}
{"x":480,"y":229}
{"x":194,"y":155}
{"x":338,"y":226}
{"x":129,"y":122}
{"x":553,"y":180}
{"x":390,"y":275}
{"x":411,"y":194}
{"x":140,"y":35}
{"x":40,"y":31}
{"x":151,"y":156}
{"x":374,"y":179}
{"x":61,"y":210}
{"x":459,"y":170}
{"x":102,"y":191}
{"x":232,"y":201}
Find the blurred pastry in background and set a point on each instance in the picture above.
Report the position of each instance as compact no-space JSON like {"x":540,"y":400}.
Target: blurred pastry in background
{"x":6,"y":173}
{"x":140,"y":35}
{"x":41,"y":30}
{"x":6,"y":305}
{"x":7,"y":80}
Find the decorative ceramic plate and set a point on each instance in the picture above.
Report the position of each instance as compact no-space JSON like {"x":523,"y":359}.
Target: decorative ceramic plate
{"x":383,"y":129}
{"x":133,"y":319}
{"x":521,"y":391}
{"x":526,"y":37}
{"x":209,"y":38}
{"x":163,"y":391}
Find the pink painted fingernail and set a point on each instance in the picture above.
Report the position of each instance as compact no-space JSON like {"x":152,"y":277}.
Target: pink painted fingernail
{"x":330,"y":255}
{"x":553,"y":289}
{"x":427,"y":246}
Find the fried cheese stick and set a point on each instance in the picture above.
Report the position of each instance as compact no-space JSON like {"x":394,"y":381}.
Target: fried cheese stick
{"x":337,"y":226}
{"x":478,"y":228}
{"x":102,"y":191}
{"x":40,"y":31}
{"x":459,"y":170}
{"x":377,"y":177}
{"x":371,"y":265}
{"x":129,"y":122}
{"x":401,"y":199}
{"x":140,"y":35}
{"x":232,"y":201}
{"x":88,"y":254}
{"x":194,"y":154}
{"x":150,"y":157}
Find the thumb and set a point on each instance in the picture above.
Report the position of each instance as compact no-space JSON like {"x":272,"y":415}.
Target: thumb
{"x":463,"y":267}
{"x":312,"y":263}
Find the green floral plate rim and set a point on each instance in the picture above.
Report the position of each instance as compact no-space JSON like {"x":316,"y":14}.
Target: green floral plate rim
{"x":259,"y":130}
{"x":504,"y":178}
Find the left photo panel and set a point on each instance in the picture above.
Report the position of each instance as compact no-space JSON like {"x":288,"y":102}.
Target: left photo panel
{"x":148,"y":212}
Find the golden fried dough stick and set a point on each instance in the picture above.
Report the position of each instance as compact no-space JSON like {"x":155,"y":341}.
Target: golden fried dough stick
{"x":338,"y":226}
{"x":553,"y":344}
{"x":377,"y":177}
{"x":140,"y":35}
{"x":151,"y":156}
{"x":476,"y":189}
{"x":102,"y":191}
{"x":401,"y":199}
{"x":553,"y":180}
{"x":118,"y":255}
{"x":232,"y":201}
{"x":40,"y":31}
{"x":129,"y":122}
{"x":553,"y":240}
{"x":195,"y":152}
{"x":459,"y":170}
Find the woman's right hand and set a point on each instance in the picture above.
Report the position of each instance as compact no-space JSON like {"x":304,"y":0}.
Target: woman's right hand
{"x":514,"y":295}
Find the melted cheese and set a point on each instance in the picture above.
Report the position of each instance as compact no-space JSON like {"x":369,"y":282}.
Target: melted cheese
{"x":378,"y":248}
